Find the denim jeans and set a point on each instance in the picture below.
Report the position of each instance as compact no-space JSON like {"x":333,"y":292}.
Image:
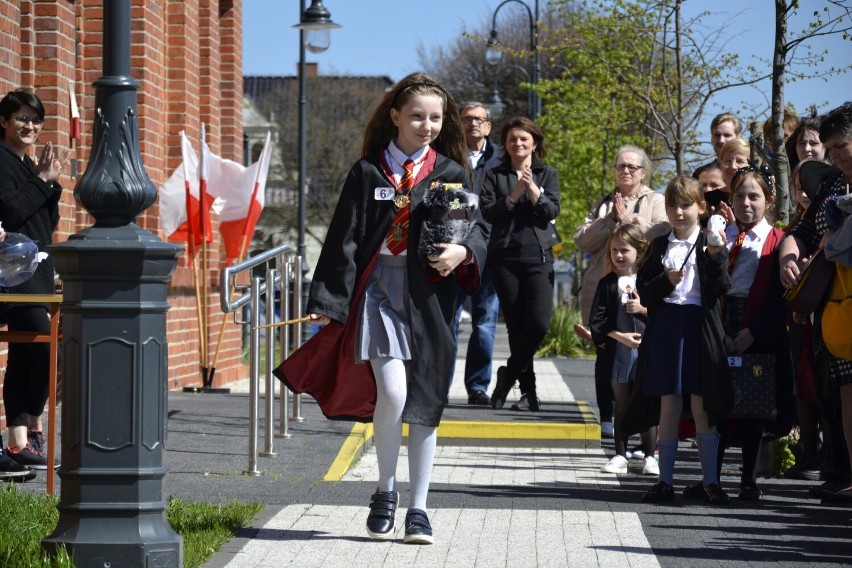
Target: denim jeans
{"x":480,"y":347}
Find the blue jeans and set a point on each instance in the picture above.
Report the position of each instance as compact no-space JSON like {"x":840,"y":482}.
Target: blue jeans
{"x":480,"y":347}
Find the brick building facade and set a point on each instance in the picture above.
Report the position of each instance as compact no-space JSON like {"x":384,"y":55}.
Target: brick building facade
{"x":187,"y":57}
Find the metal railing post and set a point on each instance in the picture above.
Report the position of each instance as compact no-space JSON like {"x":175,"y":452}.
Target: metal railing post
{"x":299,"y":309}
{"x":254,"y":375}
{"x":269,"y":399}
{"x":286,"y":314}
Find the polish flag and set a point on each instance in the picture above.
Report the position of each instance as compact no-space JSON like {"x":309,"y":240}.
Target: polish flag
{"x":183,"y":192}
{"x":243,"y":205}
{"x":74,"y":127}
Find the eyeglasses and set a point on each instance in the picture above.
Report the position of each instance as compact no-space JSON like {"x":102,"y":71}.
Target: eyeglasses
{"x":474,"y":119}
{"x":24,"y":120}
{"x":629,"y":167}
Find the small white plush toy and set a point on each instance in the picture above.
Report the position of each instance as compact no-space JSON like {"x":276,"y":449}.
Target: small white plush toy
{"x":717,"y":223}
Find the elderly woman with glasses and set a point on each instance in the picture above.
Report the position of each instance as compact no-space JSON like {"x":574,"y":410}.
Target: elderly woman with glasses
{"x":29,"y":204}
{"x":633,"y":202}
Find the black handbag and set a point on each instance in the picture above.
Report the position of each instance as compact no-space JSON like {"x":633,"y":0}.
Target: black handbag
{"x":753,"y":377}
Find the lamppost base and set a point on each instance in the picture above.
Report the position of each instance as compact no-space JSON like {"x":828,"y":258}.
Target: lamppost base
{"x":140,"y":540}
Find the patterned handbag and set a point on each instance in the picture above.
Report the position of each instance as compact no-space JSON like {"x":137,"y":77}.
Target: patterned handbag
{"x":753,"y":377}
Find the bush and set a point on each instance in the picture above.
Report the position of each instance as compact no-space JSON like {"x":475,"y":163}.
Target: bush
{"x":561,"y":341}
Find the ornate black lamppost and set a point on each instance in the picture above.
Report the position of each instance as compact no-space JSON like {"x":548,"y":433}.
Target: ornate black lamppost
{"x":114,"y":351}
{"x":493,"y":55}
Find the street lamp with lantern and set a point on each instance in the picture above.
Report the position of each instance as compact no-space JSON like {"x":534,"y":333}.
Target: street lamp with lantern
{"x":314,"y":27}
{"x":493,"y":54}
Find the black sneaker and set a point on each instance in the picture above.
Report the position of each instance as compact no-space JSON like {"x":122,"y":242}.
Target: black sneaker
{"x":382,"y":518}
{"x":527,"y":403}
{"x":659,"y":493}
{"x":11,"y":470}
{"x":36,"y":440}
{"x":716,"y":495}
{"x":417,"y":528}
{"x":695,"y":491}
{"x":28,"y":457}
{"x":750,"y":492}
{"x":478,"y":398}
{"x":501,"y":390}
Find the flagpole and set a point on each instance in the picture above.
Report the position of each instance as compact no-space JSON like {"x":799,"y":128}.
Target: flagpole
{"x":202,"y":190}
{"x":191,"y":232}
{"x":243,"y":251}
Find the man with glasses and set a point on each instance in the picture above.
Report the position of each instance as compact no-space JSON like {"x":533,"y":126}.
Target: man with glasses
{"x":482,"y":155}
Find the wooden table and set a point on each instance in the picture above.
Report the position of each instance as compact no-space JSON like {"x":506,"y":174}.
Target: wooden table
{"x":53,"y":300}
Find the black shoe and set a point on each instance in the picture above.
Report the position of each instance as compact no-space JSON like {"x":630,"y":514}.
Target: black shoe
{"x":479,"y":398}
{"x":837,"y":498}
{"x":527,"y":403}
{"x":695,"y":491}
{"x":417,"y":528}
{"x":28,"y":457}
{"x":716,"y":495}
{"x":11,"y":470}
{"x":750,"y":492}
{"x":381,"y":520}
{"x":501,"y":390}
{"x":35,"y":438}
{"x":659,"y":493}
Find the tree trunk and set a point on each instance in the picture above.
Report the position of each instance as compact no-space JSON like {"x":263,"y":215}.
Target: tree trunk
{"x":780,"y":163}
{"x":679,"y":161}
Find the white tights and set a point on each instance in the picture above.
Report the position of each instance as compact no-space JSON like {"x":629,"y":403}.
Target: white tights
{"x":391,"y":384}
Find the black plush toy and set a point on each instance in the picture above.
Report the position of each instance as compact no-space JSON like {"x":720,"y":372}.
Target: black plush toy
{"x":451,"y":218}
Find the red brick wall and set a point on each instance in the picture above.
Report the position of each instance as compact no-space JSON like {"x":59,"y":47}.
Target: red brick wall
{"x":187,"y":57}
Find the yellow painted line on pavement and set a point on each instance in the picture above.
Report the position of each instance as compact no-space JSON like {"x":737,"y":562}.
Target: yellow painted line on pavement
{"x":351,"y":448}
{"x":361,"y":435}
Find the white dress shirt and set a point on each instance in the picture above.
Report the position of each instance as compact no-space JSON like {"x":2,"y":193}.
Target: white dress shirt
{"x":395,"y":159}
{"x":749,"y":256}
{"x":688,"y":290}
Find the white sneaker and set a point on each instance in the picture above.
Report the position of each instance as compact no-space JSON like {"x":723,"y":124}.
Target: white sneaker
{"x":618,"y":464}
{"x":650,"y":466}
{"x":465,"y":316}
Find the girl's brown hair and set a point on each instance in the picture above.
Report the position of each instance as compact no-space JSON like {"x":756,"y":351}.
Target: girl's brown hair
{"x":381,"y":130}
{"x":633,"y":236}
{"x":763,"y":181}
{"x":684,"y":189}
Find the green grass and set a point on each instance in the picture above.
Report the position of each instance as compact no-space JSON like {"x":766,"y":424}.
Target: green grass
{"x":561,"y":341}
{"x":29,"y":517}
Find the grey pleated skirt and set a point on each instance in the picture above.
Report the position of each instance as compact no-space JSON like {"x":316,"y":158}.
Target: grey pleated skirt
{"x":383,"y":329}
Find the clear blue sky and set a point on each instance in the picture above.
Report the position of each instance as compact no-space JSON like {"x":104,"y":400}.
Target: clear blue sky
{"x":374,"y":40}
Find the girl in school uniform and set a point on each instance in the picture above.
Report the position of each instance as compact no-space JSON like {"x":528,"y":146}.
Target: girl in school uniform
{"x":617,"y":321}
{"x":682,"y":354}
{"x":386,"y":351}
{"x":754,"y":315}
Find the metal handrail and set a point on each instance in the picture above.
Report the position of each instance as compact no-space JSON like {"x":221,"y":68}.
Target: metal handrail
{"x":282,"y":265}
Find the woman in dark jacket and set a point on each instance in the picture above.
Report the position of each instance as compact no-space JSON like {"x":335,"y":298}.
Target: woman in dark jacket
{"x":29,"y":198}
{"x":520,"y":198}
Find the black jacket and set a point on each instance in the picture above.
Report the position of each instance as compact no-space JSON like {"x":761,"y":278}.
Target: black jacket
{"x":653,"y":285}
{"x":506,"y":223}
{"x":603,"y":319}
{"x":29,"y":206}
{"x":357,"y":230}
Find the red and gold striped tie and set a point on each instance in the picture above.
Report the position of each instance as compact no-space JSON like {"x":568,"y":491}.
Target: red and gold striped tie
{"x":397,"y":237}
{"x":734,"y":253}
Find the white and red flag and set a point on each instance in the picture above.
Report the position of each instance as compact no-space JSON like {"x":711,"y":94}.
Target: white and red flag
{"x":244,"y":202}
{"x":186,"y":200}
{"x":74,"y":126}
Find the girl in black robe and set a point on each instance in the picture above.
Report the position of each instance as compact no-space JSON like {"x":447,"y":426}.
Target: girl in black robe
{"x":386,"y":353}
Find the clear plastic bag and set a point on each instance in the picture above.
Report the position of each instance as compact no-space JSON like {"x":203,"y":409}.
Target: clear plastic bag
{"x":19,"y":258}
